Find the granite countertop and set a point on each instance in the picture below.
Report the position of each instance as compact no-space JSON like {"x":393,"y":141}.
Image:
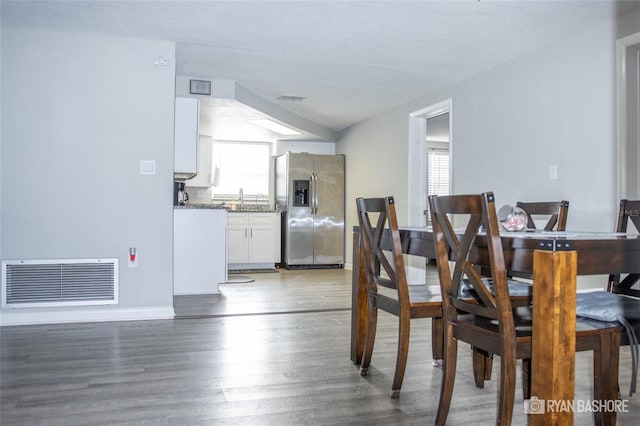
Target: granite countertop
{"x":200,"y":206}
{"x":254,"y":209}
{"x":239,"y":209}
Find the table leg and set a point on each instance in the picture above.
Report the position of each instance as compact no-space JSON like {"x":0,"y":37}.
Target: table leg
{"x":358,"y":301}
{"x":553,"y":338}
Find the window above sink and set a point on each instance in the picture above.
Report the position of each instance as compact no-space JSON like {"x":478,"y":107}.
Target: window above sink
{"x":241,"y":173}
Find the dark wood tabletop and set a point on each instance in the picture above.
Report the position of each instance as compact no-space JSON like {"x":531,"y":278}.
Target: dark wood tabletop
{"x":600,"y":252}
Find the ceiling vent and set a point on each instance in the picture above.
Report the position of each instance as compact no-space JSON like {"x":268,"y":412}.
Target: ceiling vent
{"x":291,"y":98}
{"x":200,"y":87}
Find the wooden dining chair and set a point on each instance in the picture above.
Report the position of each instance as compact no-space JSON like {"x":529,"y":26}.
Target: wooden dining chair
{"x":555,"y":211}
{"x":629,"y":211}
{"x":489,"y":321}
{"x":387,"y":287}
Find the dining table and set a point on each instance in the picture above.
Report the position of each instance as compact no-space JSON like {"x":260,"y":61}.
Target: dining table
{"x":554,"y":259}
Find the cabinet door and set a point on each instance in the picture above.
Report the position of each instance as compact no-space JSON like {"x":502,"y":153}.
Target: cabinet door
{"x":204,"y":178}
{"x":277,"y":237}
{"x":261,"y":244}
{"x":238,"y":245}
{"x":186,"y":136}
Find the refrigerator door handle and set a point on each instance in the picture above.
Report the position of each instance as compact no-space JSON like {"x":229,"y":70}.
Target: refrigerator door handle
{"x":311,"y":192}
{"x":312,"y":196}
{"x":315,"y":193}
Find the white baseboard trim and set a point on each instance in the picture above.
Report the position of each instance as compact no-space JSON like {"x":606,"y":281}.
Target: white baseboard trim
{"x":348,"y":266}
{"x":9,"y":317}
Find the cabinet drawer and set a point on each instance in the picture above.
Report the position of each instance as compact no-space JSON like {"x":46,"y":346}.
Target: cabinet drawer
{"x":262,"y":218}
{"x":237,"y":218}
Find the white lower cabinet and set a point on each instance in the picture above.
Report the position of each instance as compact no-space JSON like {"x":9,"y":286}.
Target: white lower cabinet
{"x":252,"y":240}
{"x":238,"y":240}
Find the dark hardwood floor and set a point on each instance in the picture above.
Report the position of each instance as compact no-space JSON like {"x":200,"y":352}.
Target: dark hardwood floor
{"x":287,"y":364}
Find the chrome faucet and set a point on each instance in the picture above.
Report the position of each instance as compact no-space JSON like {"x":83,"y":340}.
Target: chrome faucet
{"x":241,"y":197}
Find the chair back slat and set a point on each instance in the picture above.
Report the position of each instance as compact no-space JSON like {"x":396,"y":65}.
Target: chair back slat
{"x":383,"y":268}
{"x":462,"y":288}
{"x":556,"y":210}
{"x":629,"y":211}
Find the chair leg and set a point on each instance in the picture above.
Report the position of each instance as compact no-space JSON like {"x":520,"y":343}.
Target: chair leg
{"x":605,"y":376}
{"x":526,"y":378}
{"x":448,"y":376}
{"x":507,"y":389}
{"x":482,"y":364}
{"x":488,"y":365}
{"x":403,"y":352}
{"x":437,"y":338}
{"x":370,"y":337}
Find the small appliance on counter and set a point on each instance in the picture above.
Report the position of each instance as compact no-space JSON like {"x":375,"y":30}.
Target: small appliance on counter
{"x":180,"y":196}
{"x":198,"y":195}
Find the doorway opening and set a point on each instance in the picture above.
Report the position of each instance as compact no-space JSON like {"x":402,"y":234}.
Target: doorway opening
{"x":430,"y":158}
{"x":438,"y":141}
{"x":430,"y":169}
{"x":628,"y":128}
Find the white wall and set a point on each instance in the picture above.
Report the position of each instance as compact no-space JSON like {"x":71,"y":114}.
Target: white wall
{"x":555,"y":105}
{"x":79,"y":112}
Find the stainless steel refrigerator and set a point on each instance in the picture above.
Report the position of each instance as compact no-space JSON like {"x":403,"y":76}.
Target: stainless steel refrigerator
{"x":310,"y":191}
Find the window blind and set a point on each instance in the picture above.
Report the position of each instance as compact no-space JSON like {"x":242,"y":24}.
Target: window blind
{"x":438,"y":178}
{"x":438,"y":174}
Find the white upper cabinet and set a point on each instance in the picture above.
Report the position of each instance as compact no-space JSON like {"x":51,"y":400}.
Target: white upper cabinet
{"x":187,"y":119}
{"x":204,"y":178}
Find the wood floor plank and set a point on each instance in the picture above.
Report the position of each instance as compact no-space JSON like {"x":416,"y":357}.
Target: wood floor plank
{"x":263,"y":369}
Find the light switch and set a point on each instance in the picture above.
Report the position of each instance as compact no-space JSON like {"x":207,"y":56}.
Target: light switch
{"x":147,"y":167}
{"x":553,"y":172}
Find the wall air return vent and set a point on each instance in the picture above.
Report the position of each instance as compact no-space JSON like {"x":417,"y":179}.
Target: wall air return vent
{"x":68,"y":282}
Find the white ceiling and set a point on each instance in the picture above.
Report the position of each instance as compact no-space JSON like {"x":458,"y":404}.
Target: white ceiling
{"x":351,"y":59}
